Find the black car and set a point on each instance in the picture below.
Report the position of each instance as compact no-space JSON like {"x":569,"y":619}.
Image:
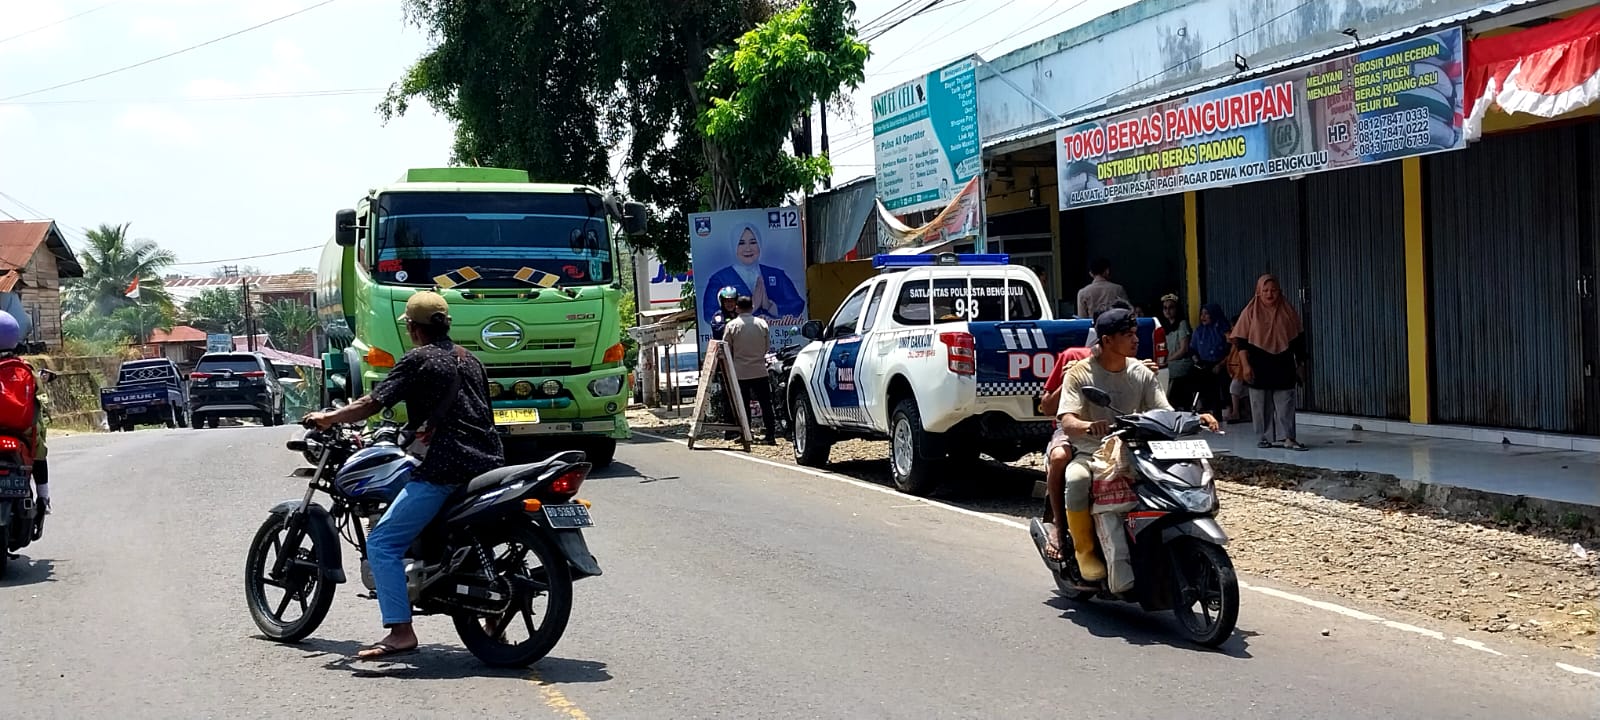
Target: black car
{"x":236,"y":385}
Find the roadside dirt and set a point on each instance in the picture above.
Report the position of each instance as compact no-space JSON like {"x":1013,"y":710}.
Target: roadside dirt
{"x":1537,"y":586}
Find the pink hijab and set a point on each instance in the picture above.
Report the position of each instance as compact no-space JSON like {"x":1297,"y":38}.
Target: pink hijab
{"x":1267,"y":325}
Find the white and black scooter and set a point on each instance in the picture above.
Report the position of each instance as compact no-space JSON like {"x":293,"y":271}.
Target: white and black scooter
{"x":1175,"y":543}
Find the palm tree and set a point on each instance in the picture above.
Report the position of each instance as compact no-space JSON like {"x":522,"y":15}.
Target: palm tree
{"x":288,"y":323}
{"x":111,"y":263}
{"x":138,"y":322}
{"x":216,"y":310}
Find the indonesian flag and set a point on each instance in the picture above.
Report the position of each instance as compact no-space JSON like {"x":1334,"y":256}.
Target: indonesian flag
{"x":133,"y":289}
{"x":1546,"y":71}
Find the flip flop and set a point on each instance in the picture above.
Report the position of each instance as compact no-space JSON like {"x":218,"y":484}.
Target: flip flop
{"x":1295,"y":445}
{"x":1264,"y":445}
{"x":384,"y":652}
{"x":1049,"y":542}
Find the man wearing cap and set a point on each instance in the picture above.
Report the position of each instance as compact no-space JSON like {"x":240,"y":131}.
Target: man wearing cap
{"x":446,"y":393}
{"x":1133,"y":388}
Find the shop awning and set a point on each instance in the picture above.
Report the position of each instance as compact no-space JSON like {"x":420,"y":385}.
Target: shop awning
{"x":1546,"y":71}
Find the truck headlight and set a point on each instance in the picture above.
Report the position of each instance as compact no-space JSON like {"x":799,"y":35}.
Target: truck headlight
{"x":606,"y":386}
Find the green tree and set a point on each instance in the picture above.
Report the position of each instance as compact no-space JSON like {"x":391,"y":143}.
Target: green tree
{"x":111,"y":262}
{"x":137,"y":322}
{"x":216,"y":310}
{"x":773,"y":74}
{"x":288,"y":323}
{"x":550,"y":86}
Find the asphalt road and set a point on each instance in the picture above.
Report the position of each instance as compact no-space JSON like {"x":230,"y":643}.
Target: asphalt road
{"x":731,"y":589}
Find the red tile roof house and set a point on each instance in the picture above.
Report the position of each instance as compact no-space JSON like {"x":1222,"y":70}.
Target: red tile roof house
{"x":34,"y":259}
{"x":182,"y":344}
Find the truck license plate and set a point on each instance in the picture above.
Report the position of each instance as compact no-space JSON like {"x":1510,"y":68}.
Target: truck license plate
{"x":571,"y":515}
{"x":517,"y":416}
{"x":1180,"y":449}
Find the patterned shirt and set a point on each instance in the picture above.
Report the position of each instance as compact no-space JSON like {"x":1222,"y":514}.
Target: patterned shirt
{"x":467,"y":445}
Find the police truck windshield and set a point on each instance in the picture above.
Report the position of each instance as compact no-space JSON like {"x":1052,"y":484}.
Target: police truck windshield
{"x":492,"y":239}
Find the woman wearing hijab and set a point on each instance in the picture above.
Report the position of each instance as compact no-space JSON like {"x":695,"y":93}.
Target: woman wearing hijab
{"x":769,"y":288}
{"x":1273,"y":341}
{"x":1210,"y":346}
{"x":1180,"y":356}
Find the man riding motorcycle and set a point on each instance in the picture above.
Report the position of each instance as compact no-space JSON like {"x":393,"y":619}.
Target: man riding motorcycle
{"x":12,"y":332}
{"x":1134,"y":388}
{"x":445,"y":390}
{"x":728,"y":298}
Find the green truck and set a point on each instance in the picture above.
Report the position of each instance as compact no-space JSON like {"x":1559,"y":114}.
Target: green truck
{"x":530,"y":271}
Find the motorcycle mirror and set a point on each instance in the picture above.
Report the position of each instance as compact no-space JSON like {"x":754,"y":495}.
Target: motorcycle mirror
{"x":1097,"y":396}
{"x":387,"y":415}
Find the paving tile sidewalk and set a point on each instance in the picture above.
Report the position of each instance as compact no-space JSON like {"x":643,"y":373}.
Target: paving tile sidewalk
{"x":1561,"y":475}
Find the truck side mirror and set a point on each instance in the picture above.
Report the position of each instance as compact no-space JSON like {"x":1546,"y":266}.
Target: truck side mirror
{"x":635,"y":218}
{"x":812,"y":330}
{"x":344,"y":227}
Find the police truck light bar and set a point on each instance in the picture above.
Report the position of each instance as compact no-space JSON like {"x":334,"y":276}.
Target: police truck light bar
{"x":903,"y":262}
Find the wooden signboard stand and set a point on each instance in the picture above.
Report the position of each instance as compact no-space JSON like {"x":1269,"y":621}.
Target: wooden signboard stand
{"x":719,"y":365}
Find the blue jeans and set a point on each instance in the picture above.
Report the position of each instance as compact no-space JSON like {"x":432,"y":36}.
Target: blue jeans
{"x":411,"y":511}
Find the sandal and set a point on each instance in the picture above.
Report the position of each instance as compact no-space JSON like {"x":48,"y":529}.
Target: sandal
{"x":1264,"y":445}
{"x":383,"y":651}
{"x":1294,"y":445}
{"x":1052,"y":549}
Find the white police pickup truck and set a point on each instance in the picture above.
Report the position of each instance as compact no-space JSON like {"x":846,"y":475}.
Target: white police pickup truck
{"x":944,"y":355}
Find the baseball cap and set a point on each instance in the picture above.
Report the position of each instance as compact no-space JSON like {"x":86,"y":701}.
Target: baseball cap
{"x":1115,"y":321}
{"x":427,"y":308}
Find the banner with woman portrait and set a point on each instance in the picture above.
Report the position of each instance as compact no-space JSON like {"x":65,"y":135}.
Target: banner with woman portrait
{"x":761,"y":254}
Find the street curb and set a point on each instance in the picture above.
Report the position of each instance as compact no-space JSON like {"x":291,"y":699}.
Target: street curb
{"x":1353,"y":485}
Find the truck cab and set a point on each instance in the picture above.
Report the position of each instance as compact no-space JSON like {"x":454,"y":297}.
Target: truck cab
{"x":530,"y":273}
{"x":946,"y":356}
{"x":148,"y":392}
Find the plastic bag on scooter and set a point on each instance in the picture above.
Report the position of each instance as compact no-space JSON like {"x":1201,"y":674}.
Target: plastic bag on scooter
{"x":1112,"y":493}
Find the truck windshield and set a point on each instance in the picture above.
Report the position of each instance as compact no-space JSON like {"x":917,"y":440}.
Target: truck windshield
{"x":506,"y":239}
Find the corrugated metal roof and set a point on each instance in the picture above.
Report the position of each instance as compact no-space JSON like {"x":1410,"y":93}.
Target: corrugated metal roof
{"x":1031,"y":135}
{"x":291,"y":282}
{"x":20,"y":239}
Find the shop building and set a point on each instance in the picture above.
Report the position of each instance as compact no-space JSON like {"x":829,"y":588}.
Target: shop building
{"x":1452,"y":287}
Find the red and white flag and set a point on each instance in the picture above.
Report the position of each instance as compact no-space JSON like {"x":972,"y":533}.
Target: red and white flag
{"x":1545,"y":71}
{"x":133,"y":289}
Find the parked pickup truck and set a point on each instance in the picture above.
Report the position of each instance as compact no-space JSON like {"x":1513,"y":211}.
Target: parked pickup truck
{"x":946,"y":356}
{"x":148,"y":392}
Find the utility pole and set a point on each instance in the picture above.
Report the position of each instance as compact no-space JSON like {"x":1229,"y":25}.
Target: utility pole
{"x":827,"y":182}
{"x":249,"y":318}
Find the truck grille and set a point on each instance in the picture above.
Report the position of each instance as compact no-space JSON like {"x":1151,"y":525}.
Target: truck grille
{"x":537,"y":369}
{"x":548,"y":344}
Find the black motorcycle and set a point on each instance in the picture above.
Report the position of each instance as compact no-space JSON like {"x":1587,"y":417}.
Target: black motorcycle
{"x":1176,"y":545}
{"x":506,"y":540}
{"x":778,"y":366}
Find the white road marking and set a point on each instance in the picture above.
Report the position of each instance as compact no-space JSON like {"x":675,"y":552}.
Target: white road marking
{"x":1270,"y":592}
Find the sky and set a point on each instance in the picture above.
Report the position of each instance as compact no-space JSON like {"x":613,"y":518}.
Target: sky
{"x":219,"y":153}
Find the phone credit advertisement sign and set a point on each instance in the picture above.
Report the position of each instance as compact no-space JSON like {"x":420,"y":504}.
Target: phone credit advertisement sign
{"x":1392,"y":101}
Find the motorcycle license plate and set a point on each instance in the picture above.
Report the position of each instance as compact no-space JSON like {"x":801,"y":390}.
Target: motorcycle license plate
{"x":14,"y":485}
{"x":570,"y":515}
{"x":1180,"y":449}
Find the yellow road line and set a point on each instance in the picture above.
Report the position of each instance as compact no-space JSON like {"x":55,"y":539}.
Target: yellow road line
{"x":556,"y":700}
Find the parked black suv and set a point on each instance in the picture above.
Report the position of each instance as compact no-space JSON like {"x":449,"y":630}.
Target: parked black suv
{"x":234,"y":384}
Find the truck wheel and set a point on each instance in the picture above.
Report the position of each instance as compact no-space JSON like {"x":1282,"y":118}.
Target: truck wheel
{"x":183,"y":419}
{"x":601,"y":452}
{"x":113,"y":423}
{"x":172,"y":417}
{"x":812,"y":442}
{"x":909,"y":461}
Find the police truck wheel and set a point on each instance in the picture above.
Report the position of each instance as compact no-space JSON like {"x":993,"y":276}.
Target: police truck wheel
{"x":812,"y":442}
{"x":909,"y":460}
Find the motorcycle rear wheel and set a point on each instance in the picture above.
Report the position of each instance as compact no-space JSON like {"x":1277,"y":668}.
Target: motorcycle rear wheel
{"x":552,"y":578}
{"x":1203,"y":575}
{"x":313,"y":592}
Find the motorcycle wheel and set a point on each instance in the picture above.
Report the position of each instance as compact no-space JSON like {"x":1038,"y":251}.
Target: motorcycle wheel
{"x":305,"y":587}
{"x":1204,"y":579}
{"x":551,"y":579}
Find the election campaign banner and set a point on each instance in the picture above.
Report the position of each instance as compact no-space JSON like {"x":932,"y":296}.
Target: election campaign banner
{"x":1392,"y":101}
{"x":760,"y":253}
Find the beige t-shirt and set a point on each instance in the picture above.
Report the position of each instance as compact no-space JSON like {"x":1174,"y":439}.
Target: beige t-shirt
{"x":1097,"y":296}
{"x":747,"y":337}
{"x":1135,"y":389}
